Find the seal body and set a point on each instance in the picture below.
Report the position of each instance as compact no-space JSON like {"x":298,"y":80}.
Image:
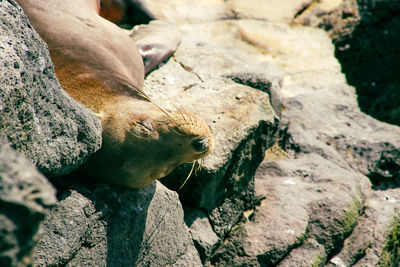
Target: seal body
{"x":95,"y":61}
{"x":99,"y":65}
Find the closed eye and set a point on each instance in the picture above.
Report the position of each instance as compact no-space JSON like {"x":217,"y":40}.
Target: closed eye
{"x":146,"y":125}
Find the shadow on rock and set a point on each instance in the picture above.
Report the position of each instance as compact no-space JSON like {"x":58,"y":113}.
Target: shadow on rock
{"x":370,"y":61}
{"x":127,"y":241}
{"x":98,"y":224}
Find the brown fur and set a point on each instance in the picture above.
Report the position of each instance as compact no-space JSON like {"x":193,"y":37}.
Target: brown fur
{"x":88,"y":51}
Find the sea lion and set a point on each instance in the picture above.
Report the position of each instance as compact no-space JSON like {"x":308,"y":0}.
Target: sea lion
{"x":99,"y":65}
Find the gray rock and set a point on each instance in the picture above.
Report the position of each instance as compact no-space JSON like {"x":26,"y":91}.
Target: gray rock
{"x":65,"y":229}
{"x":216,"y":77}
{"x":363,"y":32}
{"x":202,"y":234}
{"x":304,"y":198}
{"x":211,"y":56}
{"x":368,"y":146}
{"x":325,"y":119}
{"x":313,"y":207}
{"x":374,"y":241}
{"x":310,"y":253}
{"x":239,"y":145}
{"x":222,"y":94}
{"x":25,"y":198}
{"x":181,"y":11}
{"x":186,"y":11}
{"x":338,"y":18}
{"x":36,"y":116}
{"x":267,"y":10}
{"x":101,"y":225}
{"x":369,"y":47}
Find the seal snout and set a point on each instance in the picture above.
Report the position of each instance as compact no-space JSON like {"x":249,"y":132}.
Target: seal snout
{"x":201,"y":144}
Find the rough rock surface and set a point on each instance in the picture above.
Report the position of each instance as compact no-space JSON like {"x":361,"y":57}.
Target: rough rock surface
{"x":25,"y":198}
{"x":213,"y":74}
{"x":36,"y":116}
{"x":179,"y":11}
{"x":100,"y":225}
{"x":201,"y":231}
{"x":338,"y":18}
{"x":326,"y":193}
{"x":321,"y":125}
{"x":364,"y":32}
{"x":306,"y":199}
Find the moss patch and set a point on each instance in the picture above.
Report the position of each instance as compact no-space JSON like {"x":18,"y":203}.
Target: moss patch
{"x":351,"y":217}
{"x":390,"y":255}
{"x":318,"y":261}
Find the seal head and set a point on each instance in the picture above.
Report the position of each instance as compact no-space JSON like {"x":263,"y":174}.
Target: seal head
{"x":146,"y":143}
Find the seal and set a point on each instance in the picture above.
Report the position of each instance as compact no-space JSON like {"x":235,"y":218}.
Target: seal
{"x":100,"y":66}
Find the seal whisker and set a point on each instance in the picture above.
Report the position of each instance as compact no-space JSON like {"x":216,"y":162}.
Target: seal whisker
{"x":176,"y":115}
{"x":201,"y":164}
{"x":179,"y":111}
{"x":198,"y":166}
{"x":183,"y":112}
{"x":187,"y":178}
{"x":146,"y":97}
{"x":164,"y":111}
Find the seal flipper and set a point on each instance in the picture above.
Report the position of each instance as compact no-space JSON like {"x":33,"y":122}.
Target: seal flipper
{"x":156,"y":42}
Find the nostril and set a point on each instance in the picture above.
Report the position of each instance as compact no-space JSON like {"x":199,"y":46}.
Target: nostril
{"x":200,"y":144}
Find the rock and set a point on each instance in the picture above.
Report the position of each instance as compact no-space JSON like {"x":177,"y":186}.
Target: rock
{"x":325,"y":118}
{"x":339,"y":18}
{"x":100,"y":225}
{"x":352,"y":141}
{"x":181,"y":11}
{"x":364,"y":32}
{"x":309,"y":203}
{"x":222,"y":84}
{"x":374,"y":241}
{"x":185,"y":11}
{"x":36,"y":116}
{"x":65,"y":230}
{"x":201,"y":231}
{"x":238,"y":145}
{"x":310,"y":253}
{"x":267,"y":10}
{"x":368,"y":146}
{"x":304,"y":198}
{"x":370,"y":48}
{"x":25,"y":198}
